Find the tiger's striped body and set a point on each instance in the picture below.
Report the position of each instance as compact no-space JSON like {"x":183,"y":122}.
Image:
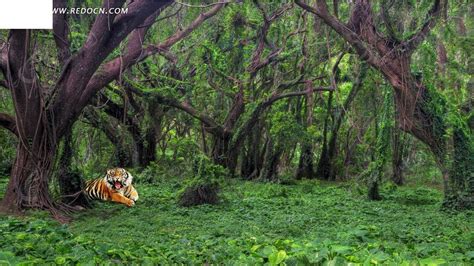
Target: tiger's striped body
{"x":115,"y":186}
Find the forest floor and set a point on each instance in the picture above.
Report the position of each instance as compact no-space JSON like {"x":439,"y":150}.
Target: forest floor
{"x":309,"y":222}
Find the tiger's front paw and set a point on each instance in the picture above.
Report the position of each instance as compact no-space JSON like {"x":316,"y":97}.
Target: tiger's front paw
{"x":130,"y":203}
{"x":134,"y":198}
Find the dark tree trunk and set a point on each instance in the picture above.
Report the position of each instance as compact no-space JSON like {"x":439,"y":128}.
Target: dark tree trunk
{"x":28,"y":187}
{"x":305,"y":165}
{"x":398,"y":151}
{"x":150,"y":150}
{"x":222,"y":155}
{"x":323,"y":170}
{"x":252,"y":158}
{"x":270,"y":163}
{"x":70,"y":180}
{"x":154,"y":131}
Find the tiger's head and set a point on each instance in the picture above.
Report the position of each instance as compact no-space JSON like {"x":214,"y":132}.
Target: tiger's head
{"x":118,"y":178}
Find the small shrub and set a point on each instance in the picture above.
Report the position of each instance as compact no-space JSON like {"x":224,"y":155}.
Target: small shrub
{"x":204,"y":186}
{"x":149,"y":175}
{"x":199,"y":194}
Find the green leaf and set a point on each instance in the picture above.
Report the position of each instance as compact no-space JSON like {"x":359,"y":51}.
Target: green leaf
{"x":277,"y":258}
{"x":341,"y":249}
{"x":60,"y":260}
{"x":432,"y":262}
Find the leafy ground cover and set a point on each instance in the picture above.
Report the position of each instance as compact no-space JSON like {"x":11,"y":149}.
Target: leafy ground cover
{"x":308,"y":222}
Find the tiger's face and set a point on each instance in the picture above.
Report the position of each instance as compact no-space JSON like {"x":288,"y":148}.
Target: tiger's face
{"x":118,"y":178}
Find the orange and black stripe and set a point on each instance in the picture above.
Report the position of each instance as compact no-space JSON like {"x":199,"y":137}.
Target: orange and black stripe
{"x":97,"y":189}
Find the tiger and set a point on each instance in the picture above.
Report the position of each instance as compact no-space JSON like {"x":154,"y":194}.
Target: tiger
{"x":115,"y":186}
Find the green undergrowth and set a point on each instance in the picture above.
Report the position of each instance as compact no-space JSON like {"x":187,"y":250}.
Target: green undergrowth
{"x":256,"y":223}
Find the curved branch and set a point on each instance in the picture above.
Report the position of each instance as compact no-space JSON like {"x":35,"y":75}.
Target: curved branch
{"x":257,"y":62}
{"x":201,"y":6}
{"x":211,"y":126}
{"x":179,"y":35}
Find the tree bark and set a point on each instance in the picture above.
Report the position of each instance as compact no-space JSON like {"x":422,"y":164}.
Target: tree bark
{"x":252,"y":157}
{"x":271,"y":160}
{"x":398,"y":152}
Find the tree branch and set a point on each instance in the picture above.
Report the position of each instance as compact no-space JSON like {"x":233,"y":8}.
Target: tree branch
{"x":23,"y":83}
{"x":412,"y":43}
{"x":7,"y":121}
{"x":115,"y":110}
{"x":71,"y":93}
{"x":350,"y":36}
{"x":211,"y":126}
{"x":257,"y":62}
{"x":362,"y":23}
{"x":386,"y":20}
{"x":179,"y":35}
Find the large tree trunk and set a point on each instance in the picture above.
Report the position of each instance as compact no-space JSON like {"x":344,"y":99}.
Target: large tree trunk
{"x":222,"y":155}
{"x":28,"y":185}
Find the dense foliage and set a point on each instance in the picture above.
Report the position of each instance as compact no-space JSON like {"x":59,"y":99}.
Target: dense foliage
{"x":309,"y":222}
{"x":280,"y":132}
